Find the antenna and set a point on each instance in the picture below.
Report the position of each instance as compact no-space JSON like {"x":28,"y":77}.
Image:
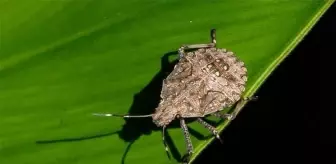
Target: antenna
{"x":118,"y":115}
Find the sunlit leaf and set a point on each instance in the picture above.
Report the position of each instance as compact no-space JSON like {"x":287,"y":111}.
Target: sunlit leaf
{"x":61,"y":61}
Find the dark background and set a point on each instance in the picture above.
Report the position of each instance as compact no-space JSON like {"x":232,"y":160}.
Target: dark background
{"x":292,"y":120}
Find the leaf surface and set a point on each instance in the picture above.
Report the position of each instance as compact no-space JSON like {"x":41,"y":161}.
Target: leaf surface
{"x":61,"y":61}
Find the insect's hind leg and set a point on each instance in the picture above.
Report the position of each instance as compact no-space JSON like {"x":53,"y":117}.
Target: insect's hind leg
{"x":213,"y":36}
{"x":253,"y":98}
{"x":223,"y":115}
{"x":189,"y":145}
{"x":182,"y":49}
{"x":236,"y":109}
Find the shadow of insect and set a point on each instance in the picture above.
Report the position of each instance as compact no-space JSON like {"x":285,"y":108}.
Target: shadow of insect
{"x":145,"y":102}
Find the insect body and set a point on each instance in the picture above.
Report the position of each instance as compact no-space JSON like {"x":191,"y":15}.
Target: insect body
{"x":203,"y":82}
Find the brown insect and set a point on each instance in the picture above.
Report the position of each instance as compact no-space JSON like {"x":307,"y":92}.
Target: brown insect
{"x":204,"y":82}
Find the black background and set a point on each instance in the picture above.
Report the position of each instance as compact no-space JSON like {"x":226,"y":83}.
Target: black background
{"x":292,"y":120}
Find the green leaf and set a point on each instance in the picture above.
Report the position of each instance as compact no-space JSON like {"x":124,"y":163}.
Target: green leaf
{"x":61,"y":61}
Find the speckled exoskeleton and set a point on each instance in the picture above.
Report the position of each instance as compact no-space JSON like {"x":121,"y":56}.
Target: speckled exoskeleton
{"x":204,"y":82}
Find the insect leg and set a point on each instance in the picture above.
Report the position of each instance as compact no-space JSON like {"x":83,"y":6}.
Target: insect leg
{"x":253,"y":98}
{"x":222,"y":115}
{"x":187,"y":140}
{"x":236,"y":109}
{"x":194,"y":46}
{"x":181,"y":52}
{"x":118,"y":115}
{"x":213,"y":36}
{"x":240,"y":103}
{"x":210,"y":128}
{"x":163,"y":138}
{"x":197,"y":46}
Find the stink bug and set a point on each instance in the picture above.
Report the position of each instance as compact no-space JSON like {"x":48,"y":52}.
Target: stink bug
{"x":206,"y":80}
